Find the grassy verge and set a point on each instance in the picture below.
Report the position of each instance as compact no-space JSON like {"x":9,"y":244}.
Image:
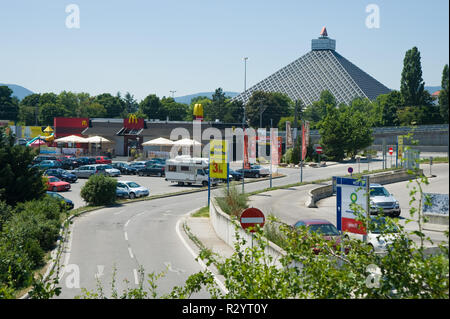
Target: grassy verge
{"x":202,"y":212}
{"x":436,"y":160}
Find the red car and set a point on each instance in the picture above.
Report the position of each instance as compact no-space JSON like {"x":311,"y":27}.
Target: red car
{"x":103,"y":160}
{"x":56,"y":185}
{"x":324,"y":228}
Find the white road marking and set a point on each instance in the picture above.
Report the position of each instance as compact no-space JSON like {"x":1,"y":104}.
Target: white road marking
{"x":126,"y":236}
{"x":202,"y":264}
{"x":136,"y":279}
{"x":130,"y":252}
{"x":126,"y":224}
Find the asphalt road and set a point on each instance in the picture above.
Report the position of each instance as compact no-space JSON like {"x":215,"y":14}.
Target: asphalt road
{"x":289,"y":204}
{"x":145,"y":234}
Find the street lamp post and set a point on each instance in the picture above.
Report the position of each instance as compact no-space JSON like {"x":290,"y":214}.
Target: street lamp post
{"x":243,"y":121}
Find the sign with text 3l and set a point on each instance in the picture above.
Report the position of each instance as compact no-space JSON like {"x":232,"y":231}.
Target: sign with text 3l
{"x":350,"y":196}
{"x":218,"y":159}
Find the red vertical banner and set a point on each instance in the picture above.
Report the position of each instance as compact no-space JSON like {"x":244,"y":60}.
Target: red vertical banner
{"x":246,"y":162}
{"x":304,"y":146}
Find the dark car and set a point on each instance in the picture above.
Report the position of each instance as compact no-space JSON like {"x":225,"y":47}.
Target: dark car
{"x":323,"y":228}
{"x":61,"y":174}
{"x":256,"y":171}
{"x":82,"y":161}
{"x":161,"y":161}
{"x":152,"y":169}
{"x":124,"y":168}
{"x":69,"y":163}
{"x":46,"y":164}
{"x":237,"y":176}
{"x":41,"y":158}
{"x":69,"y":203}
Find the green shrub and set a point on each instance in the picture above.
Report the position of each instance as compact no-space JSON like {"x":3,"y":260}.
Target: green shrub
{"x":99,"y":190}
{"x":233,"y":202}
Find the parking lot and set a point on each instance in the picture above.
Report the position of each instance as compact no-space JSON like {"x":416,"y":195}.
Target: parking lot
{"x":156,"y":185}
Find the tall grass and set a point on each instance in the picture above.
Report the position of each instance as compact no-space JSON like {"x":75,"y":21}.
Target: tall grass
{"x":232,"y":202}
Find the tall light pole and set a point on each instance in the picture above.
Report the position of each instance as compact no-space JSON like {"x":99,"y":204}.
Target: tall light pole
{"x":243,"y":121}
{"x":172,"y":93}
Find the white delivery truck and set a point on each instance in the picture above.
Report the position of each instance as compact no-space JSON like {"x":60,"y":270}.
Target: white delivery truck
{"x":188,"y":170}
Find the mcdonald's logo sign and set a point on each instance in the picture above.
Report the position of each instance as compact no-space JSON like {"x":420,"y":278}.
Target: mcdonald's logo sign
{"x":132,"y":118}
{"x":84,"y":123}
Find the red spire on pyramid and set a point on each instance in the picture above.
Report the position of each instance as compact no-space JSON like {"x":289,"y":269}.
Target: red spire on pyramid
{"x":324,"y":32}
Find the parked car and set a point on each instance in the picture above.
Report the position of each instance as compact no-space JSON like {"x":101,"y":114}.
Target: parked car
{"x":56,"y":185}
{"x":110,"y":171}
{"x":381,"y":201}
{"x":254,"y":171}
{"x":61,"y":174}
{"x":124,"y":168}
{"x":237,"y":176}
{"x":69,"y":162}
{"x":122,"y":193}
{"x":102,"y":160}
{"x":69,"y":203}
{"x":46,"y":164}
{"x":324,"y":228}
{"x":161,"y":161}
{"x":137,"y":165}
{"x":84,"y":161}
{"x":40,"y":158}
{"x":86,"y":171}
{"x":152,"y":169}
{"x":134,"y":189}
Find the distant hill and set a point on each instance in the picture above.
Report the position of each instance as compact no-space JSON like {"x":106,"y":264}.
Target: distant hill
{"x":187,"y":98}
{"x":19,"y":91}
{"x":432,"y":89}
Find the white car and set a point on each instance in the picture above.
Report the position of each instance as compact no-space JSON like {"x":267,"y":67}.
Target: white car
{"x":110,"y":171}
{"x":133,"y":188}
{"x":377,"y":241}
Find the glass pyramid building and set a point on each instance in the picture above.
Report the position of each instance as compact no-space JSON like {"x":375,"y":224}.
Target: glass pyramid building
{"x":320,"y":69}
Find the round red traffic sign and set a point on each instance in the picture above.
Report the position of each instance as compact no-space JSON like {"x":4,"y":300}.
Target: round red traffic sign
{"x":318,"y":149}
{"x":391,"y":150}
{"x":252,"y":217}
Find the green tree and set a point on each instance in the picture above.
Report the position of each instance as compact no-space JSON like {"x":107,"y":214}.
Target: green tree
{"x":49,"y":111}
{"x":234,"y":112}
{"x":389,"y":105}
{"x":412,"y":84}
{"x":92,"y":110}
{"x":318,"y":109}
{"x":175,"y":111}
{"x":113,"y":104}
{"x":9,"y":107}
{"x":70,"y":102}
{"x":29,"y":109}
{"x":275,"y":106}
{"x":206,"y":104}
{"x":131,"y":105}
{"x":152,"y":108}
{"x":18,"y":182}
{"x":443,"y":95}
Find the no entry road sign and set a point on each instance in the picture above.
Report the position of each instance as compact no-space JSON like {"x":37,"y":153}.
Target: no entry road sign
{"x":391,"y":150}
{"x":319,"y":149}
{"x":252,"y":217}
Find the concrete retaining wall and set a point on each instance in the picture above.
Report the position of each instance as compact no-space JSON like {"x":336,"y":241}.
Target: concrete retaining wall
{"x":380,"y":178}
{"x":439,"y":219}
{"x":226,"y":228}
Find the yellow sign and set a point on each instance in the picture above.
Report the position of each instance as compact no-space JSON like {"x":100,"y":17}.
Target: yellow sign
{"x":84,"y":123}
{"x":132,"y":118}
{"x":218,"y":158}
{"x":198,"y":110}
{"x":400,"y":146}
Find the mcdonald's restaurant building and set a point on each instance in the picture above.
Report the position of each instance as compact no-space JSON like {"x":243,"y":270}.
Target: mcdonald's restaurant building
{"x":131,"y":132}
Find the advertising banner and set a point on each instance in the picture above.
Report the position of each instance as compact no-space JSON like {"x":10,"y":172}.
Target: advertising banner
{"x":350,"y":195}
{"x":218,"y":159}
{"x":289,"y":142}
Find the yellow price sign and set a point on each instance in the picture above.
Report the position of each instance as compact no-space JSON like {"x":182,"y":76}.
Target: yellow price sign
{"x":218,"y":159}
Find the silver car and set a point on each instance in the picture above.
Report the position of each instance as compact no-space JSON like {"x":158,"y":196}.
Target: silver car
{"x":110,"y":171}
{"x":86,"y":171}
{"x":133,"y":188}
{"x":381,"y":201}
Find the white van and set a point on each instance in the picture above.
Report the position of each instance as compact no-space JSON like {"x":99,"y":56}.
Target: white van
{"x":188,"y":170}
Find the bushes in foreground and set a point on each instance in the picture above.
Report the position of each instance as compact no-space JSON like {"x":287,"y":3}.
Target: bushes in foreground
{"x":99,"y":190}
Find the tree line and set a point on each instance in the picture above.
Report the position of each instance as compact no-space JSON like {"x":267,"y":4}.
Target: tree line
{"x":412,"y":104}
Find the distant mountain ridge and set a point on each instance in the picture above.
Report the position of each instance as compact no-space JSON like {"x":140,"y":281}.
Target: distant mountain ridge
{"x":18,"y":91}
{"x":186,"y":99}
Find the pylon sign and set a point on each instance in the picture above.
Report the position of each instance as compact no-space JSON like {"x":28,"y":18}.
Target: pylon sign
{"x":218,"y":159}
{"x":351,"y":194}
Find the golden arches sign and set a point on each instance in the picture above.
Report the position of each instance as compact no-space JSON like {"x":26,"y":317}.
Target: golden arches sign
{"x":84,"y":123}
{"x":132,"y":118}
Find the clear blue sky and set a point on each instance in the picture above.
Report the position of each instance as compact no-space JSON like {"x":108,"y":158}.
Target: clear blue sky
{"x":195,"y":46}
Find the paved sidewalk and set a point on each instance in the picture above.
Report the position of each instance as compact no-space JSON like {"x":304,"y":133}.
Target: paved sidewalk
{"x":202,"y":229}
